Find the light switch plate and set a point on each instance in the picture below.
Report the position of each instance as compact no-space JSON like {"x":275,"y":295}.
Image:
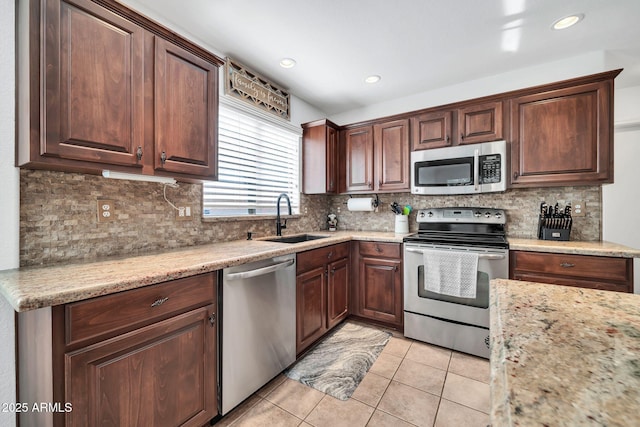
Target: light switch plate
{"x":184,"y":213}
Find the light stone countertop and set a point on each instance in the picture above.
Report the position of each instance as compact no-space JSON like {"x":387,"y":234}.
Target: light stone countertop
{"x":574,"y":247}
{"x":36,"y":287}
{"x":562,"y":355}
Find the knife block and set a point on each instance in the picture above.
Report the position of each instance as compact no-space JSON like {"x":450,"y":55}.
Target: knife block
{"x":554,"y":229}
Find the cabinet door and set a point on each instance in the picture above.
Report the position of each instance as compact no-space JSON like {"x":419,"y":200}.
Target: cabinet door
{"x":563,"y":136}
{"x":332,"y":160}
{"x":310,"y":307}
{"x":93,"y":85}
{"x":359,"y":159}
{"x":160,"y":375}
{"x":431,"y":130}
{"x":392,"y":155}
{"x":381,"y":289}
{"x":480,"y":123}
{"x":337,"y":292}
{"x":319,"y":158}
{"x":186,"y":111}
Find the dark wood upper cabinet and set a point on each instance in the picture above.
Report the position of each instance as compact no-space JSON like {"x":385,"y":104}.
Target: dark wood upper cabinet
{"x":92,"y":106}
{"x":563,"y":136}
{"x":480,"y":123}
{"x":186,"y":108}
{"x":377,"y":157}
{"x":105,"y":88}
{"x":391,"y":141}
{"x":465,"y":125}
{"x":358,"y":146}
{"x":431,"y":130}
{"x":320,"y":157}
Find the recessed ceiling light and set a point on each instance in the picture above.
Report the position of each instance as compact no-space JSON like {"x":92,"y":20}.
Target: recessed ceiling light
{"x":567,"y":21}
{"x":372,"y":79}
{"x":287,"y":63}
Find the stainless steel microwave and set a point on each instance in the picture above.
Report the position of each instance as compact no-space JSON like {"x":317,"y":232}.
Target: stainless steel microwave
{"x":462,"y":169}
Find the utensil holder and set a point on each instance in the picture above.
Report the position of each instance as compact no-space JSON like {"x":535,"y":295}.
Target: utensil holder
{"x":402,"y":224}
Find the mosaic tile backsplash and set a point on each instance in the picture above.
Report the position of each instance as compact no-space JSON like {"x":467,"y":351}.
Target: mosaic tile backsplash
{"x":58,"y":216}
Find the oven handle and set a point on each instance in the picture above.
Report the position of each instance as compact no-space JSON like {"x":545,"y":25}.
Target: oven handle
{"x":481,"y":256}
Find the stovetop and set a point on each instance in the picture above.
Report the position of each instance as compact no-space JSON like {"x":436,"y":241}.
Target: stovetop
{"x":468,"y":226}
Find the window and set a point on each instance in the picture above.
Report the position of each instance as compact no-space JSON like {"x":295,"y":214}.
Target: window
{"x":257,"y":161}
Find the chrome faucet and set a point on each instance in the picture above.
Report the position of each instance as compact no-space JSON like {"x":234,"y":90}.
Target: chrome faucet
{"x":281,"y":225}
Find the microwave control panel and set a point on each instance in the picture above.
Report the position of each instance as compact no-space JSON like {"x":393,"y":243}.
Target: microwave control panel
{"x":490,"y":169}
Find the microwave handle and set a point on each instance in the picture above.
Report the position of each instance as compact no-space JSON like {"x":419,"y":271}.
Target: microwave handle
{"x":476,"y":169}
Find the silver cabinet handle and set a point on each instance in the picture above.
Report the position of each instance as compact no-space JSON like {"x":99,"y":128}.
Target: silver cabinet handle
{"x":260,"y":271}
{"x":566,"y":265}
{"x":476,"y":167}
{"x":159,"y":302}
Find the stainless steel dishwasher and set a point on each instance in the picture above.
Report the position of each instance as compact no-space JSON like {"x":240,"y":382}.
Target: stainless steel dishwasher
{"x":258,"y":339}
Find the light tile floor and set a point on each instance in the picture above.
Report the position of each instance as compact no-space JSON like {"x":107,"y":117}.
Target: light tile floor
{"x":410,"y":384}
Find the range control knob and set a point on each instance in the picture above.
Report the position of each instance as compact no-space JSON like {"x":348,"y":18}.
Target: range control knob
{"x":421,"y":214}
{"x":477,"y":214}
{"x":430,"y":214}
{"x":498,"y":215}
{"x":487,"y":214}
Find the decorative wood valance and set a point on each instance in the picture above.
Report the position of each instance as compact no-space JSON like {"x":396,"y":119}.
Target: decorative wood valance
{"x":253,"y":89}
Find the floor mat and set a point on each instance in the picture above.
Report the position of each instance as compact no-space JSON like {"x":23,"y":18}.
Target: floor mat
{"x":338,"y":364}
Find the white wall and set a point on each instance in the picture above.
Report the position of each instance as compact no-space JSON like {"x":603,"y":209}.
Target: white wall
{"x":511,"y":79}
{"x":9,"y":204}
{"x":621,"y":200}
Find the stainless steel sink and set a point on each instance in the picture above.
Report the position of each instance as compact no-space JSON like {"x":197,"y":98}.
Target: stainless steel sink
{"x":296,"y":239}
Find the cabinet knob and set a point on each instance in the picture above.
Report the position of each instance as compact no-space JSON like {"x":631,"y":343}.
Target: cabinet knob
{"x":212,"y":319}
{"x":395,"y":268}
{"x":330,"y":254}
{"x":447,"y":138}
{"x":461,"y":136}
{"x":139,"y":153}
{"x":515,"y":175}
{"x":163,"y":158}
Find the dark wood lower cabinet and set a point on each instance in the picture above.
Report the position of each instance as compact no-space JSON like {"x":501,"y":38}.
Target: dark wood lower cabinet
{"x":337,"y":292}
{"x":377,"y":283}
{"x":310,"y":307}
{"x":143,"y":357}
{"x":322,"y":292}
{"x":584,"y":271}
{"x":160,"y":375}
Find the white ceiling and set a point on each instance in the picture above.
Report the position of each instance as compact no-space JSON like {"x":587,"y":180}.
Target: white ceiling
{"x":415,"y":45}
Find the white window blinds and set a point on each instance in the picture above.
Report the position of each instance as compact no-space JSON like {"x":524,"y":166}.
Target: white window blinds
{"x":257,"y":161}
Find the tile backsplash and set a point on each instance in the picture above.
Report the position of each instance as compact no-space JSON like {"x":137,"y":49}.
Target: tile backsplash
{"x":58,"y":216}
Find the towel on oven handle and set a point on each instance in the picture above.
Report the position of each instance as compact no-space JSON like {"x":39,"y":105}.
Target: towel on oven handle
{"x":450,"y":272}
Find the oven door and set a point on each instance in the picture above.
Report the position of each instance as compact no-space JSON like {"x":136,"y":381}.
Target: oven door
{"x":492,"y":263}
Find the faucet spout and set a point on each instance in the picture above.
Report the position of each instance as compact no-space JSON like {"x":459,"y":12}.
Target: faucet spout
{"x":281,"y":224}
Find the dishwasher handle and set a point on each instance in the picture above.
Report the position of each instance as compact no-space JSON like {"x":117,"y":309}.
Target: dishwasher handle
{"x":481,"y":256}
{"x":260,"y":271}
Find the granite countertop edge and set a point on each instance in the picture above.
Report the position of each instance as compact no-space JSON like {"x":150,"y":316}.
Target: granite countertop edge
{"x":31,"y":288}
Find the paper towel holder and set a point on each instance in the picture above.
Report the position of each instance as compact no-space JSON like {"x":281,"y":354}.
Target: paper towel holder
{"x":376,"y":201}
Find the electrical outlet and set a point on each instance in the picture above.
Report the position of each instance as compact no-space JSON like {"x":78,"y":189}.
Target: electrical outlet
{"x":106,"y":210}
{"x":579,"y":208}
{"x":184,"y":213}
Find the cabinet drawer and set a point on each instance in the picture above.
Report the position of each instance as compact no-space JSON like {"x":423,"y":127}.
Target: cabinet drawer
{"x":110,"y":315}
{"x":384,"y":250}
{"x":315,"y":258}
{"x":584,"y":266}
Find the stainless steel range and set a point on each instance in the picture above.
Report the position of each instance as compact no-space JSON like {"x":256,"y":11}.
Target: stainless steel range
{"x":448,"y":264}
